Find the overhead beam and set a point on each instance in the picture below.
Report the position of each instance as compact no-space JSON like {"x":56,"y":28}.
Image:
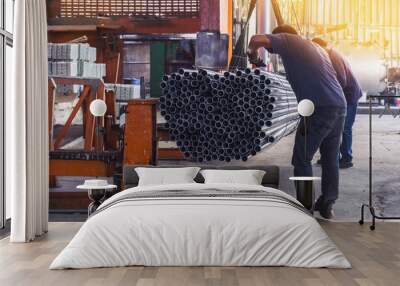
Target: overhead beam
{"x":71,"y":28}
{"x":87,"y":168}
{"x":126,"y":25}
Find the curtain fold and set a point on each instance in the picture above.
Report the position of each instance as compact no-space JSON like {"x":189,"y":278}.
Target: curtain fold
{"x":27,"y":138}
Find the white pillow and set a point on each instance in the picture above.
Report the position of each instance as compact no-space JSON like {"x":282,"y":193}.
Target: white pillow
{"x":247,"y":177}
{"x":166,"y":176}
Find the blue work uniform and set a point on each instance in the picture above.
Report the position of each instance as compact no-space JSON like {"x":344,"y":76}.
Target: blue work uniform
{"x":352,"y":92}
{"x":312,"y":76}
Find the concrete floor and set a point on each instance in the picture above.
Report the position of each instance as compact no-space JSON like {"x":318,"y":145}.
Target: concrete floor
{"x":353,"y":181}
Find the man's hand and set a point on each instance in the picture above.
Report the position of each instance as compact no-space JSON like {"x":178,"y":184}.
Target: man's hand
{"x":258,"y":62}
{"x":252,"y":55}
{"x":256,"y":42}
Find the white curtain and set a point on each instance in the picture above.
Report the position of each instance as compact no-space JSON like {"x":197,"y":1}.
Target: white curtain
{"x":26,"y":119}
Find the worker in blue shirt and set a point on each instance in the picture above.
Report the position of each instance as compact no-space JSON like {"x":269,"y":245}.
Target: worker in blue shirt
{"x":352,"y":92}
{"x":312,"y":76}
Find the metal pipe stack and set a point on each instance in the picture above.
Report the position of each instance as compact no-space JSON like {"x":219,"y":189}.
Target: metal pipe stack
{"x":227,"y":116}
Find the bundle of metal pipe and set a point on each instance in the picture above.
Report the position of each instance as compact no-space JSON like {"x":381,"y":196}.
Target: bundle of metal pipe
{"x":227,"y":116}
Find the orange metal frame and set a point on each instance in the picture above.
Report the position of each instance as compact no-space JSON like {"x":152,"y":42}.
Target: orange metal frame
{"x":88,"y":168}
{"x":93,"y":89}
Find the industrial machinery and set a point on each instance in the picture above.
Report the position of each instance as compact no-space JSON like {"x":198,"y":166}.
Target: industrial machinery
{"x":129,"y":132}
{"x":106,"y":145}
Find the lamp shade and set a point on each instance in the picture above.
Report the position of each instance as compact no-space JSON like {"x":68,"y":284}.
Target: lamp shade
{"x":98,"y":107}
{"x":305,"y":107}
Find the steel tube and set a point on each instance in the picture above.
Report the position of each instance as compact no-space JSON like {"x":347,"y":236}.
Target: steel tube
{"x":216,"y":116}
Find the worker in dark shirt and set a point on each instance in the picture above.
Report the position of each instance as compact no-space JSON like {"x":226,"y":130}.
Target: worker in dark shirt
{"x":312,"y":76}
{"x":352,"y":92}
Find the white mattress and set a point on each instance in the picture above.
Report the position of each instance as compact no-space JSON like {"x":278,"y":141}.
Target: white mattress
{"x":194,"y":231}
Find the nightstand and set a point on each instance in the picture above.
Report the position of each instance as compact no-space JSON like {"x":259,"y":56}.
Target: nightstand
{"x":97,"y":191}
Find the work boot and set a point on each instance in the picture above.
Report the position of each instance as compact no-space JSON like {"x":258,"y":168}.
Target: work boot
{"x":327,"y":211}
{"x":345,"y":164}
{"x":318,"y":204}
{"x":324,"y":208}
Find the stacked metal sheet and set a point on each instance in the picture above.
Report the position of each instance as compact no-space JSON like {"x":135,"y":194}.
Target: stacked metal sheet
{"x":226,"y":116}
{"x":72,"y":52}
{"x":74,"y":60}
{"x":124,"y":92}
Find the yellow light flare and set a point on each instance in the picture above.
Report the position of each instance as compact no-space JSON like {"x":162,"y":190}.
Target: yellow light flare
{"x":363,"y":23}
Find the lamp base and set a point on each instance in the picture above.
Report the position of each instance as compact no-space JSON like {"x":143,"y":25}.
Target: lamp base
{"x":305,"y":191}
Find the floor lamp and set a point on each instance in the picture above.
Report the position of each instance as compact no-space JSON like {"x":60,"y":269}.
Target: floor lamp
{"x":304,"y":185}
{"x":98,"y":108}
{"x":97,"y":189}
{"x":305,"y":108}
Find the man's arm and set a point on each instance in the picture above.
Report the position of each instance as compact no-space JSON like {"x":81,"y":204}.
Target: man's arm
{"x":257,"y":42}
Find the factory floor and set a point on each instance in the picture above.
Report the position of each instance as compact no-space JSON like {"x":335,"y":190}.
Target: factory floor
{"x":353,"y":181}
{"x":374,"y":257}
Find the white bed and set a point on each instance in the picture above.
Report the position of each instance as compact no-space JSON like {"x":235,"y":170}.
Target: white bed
{"x":206,"y":230}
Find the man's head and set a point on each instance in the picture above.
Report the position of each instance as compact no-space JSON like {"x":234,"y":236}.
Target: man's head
{"x":287,"y":29}
{"x":320,"y":42}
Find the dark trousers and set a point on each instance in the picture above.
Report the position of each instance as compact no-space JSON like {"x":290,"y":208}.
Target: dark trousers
{"x":324,"y":131}
{"x":346,"y":152}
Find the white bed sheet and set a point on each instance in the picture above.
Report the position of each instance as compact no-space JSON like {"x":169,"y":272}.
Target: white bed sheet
{"x":200,"y":232}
